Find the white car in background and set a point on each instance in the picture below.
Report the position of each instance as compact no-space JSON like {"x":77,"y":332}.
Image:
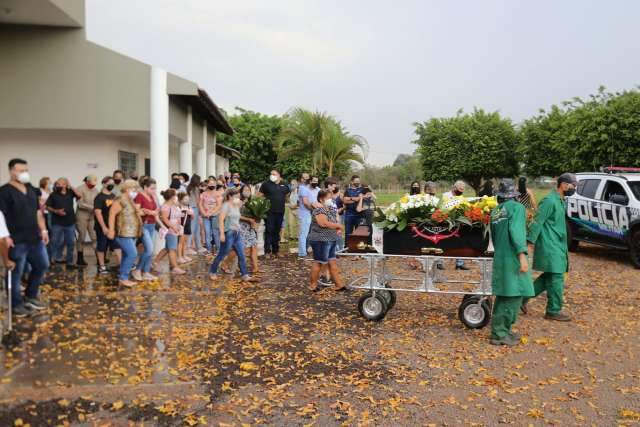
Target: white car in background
{"x":605,"y":210}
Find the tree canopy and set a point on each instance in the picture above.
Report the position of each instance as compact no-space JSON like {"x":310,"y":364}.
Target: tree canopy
{"x":472,"y":147}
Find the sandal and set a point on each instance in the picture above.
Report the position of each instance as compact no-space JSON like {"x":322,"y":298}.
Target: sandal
{"x":316,"y":289}
{"x":340,"y":289}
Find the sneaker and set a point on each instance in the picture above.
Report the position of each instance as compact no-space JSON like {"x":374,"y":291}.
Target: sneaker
{"x":507,"y":340}
{"x":178,"y":270}
{"x":189,"y":251}
{"x":560,"y":317}
{"x":202,"y":251}
{"x":137,"y":275}
{"x":127,"y":283}
{"x":22,"y":311}
{"x":324,"y":281}
{"x":213,"y":277}
{"x":102,"y":269}
{"x":34,"y":304}
{"x":149,"y":276}
{"x":247,"y":278}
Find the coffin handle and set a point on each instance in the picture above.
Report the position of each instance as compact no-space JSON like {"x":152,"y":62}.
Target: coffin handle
{"x":431,"y":251}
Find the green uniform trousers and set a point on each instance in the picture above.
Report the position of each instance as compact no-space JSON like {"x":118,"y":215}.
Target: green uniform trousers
{"x":505,"y":314}
{"x":553,"y":283}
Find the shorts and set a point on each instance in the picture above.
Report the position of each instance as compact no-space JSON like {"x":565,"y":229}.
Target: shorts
{"x":323,"y":252}
{"x":171,"y":242}
{"x":103,"y":243}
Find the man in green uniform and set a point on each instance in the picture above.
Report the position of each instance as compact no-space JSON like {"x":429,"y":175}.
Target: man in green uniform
{"x":548,"y":232}
{"x":511,"y":275}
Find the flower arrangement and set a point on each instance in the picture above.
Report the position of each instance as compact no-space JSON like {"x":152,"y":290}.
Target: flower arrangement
{"x":256,"y":208}
{"x":423,"y":209}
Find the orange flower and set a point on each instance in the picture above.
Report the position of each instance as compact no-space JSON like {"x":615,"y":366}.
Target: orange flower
{"x":439,"y":216}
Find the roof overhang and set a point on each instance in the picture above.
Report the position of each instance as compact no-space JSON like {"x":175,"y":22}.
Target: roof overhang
{"x":227,"y":151}
{"x":56,"y":13}
{"x":204,"y":106}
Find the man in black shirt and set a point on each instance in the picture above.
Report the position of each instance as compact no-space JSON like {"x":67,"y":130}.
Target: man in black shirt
{"x":63,"y":219}
{"x":19,"y":204}
{"x":101,"y":205}
{"x":276,"y":192}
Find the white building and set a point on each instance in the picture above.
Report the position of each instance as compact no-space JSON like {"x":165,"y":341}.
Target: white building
{"x":73,"y":108}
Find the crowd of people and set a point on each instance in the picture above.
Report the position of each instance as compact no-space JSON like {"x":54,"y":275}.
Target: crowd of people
{"x":124,"y":218}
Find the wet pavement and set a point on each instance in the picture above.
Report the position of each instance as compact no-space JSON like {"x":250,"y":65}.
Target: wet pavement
{"x":183,"y":351}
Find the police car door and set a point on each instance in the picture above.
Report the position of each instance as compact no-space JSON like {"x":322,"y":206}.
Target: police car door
{"x":614,"y":212}
{"x":580,"y":209}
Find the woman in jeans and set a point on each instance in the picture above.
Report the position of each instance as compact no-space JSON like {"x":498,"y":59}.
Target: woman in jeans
{"x":194,"y":245}
{"x":149,"y":207}
{"x":170,"y":216}
{"x":324,"y":233}
{"x":230,"y":238}
{"x":209,"y":208}
{"x":125,"y":225}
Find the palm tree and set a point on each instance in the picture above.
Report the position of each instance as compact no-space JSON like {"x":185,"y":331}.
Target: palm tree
{"x":322,"y":137}
{"x":302,"y":133}
{"x":339,"y":146}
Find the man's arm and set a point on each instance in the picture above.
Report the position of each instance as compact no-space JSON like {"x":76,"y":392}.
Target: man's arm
{"x":82,"y":204}
{"x":43,"y":227}
{"x":544,"y":212}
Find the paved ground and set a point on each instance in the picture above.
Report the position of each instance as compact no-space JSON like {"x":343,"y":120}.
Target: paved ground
{"x":184,"y":352}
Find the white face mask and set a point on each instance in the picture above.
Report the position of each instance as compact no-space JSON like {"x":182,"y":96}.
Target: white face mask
{"x":273,"y":178}
{"x":24,"y":177}
{"x":328,"y":202}
{"x":133,"y":194}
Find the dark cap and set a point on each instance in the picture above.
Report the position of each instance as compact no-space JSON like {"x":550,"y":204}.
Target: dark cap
{"x":507,"y":189}
{"x":568,"y":178}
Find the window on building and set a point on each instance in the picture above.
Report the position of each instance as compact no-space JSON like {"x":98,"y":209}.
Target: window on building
{"x":588,"y":187}
{"x":127,"y":162}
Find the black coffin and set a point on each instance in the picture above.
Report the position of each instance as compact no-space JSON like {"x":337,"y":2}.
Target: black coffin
{"x":464,"y":241}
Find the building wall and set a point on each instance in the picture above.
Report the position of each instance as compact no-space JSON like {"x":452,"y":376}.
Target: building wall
{"x":72,"y":154}
{"x":53,"y":78}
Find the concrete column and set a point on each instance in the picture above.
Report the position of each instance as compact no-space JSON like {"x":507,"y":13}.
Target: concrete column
{"x":159,"y":128}
{"x":211,"y":162}
{"x":201,"y":154}
{"x":186,"y":147}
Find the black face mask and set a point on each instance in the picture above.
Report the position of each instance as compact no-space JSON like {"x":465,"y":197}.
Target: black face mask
{"x":570,"y":192}
{"x":335,"y":191}
{"x":109,"y":187}
{"x":117,"y":180}
{"x":211,"y":187}
{"x":135,"y":178}
{"x":356,"y":185}
{"x":314,"y":184}
{"x":415,"y":190}
{"x":458,"y":193}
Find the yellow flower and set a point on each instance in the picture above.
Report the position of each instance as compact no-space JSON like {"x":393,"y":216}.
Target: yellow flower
{"x":405,"y":199}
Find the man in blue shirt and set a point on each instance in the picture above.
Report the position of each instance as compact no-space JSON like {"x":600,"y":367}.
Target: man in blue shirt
{"x":351,"y":215}
{"x":307,"y":197}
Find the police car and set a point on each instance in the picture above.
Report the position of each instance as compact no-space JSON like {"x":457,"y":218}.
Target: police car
{"x":605,"y":210}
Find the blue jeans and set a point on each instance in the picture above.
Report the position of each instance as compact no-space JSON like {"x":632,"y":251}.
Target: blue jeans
{"x":36,"y":255}
{"x":144,"y":263}
{"x":129,"y":254}
{"x":351,"y":222}
{"x":232,"y":240}
{"x":63,"y":235}
{"x":304,"y":224}
{"x":323,"y":252}
{"x":211,"y":232}
{"x":195,"y":229}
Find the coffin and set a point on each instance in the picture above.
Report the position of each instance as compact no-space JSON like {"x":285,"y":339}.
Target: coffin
{"x":464,"y":241}
{"x":358,"y":240}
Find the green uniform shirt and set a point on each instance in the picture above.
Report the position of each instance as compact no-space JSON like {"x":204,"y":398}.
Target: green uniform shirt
{"x":509,"y":235}
{"x":548,"y":232}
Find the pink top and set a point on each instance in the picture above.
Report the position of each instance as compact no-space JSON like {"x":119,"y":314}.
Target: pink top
{"x":174,"y":214}
{"x":209,"y":202}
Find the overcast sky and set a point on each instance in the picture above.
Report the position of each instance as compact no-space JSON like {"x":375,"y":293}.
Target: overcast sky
{"x":379,"y":65}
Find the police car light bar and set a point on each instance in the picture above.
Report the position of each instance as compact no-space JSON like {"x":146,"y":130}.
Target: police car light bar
{"x":619,"y":169}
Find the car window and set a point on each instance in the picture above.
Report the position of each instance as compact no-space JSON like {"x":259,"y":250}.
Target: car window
{"x":613,"y":188}
{"x":587,"y":188}
{"x":635,"y":187}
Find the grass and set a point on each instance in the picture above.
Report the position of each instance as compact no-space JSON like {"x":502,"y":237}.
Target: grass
{"x":385,"y":198}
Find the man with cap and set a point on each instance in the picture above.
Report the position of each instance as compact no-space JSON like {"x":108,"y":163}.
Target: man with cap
{"x":548,"y":232}
{"x":84,"y":216}
{"x":511,"y":275}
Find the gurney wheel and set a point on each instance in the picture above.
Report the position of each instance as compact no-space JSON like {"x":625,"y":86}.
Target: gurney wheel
{"x":372,"y":307}
{"x":389,"y":296}
{"x":474,"y":313}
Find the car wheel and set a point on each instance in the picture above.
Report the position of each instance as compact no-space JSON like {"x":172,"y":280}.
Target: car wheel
{"x":634,"y":243}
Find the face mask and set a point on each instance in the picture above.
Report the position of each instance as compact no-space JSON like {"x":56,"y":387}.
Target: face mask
{"x":24,"y":177}
{"x":117,"y":181}
{"x":457,"y":192}
{"x":273,"y":178}
{"x":109,"y":187}
{"x":415,"y":190}
{"x":211,"y":187}
{"x":135,"y":178}
{"x":133,"y":194}
{"x":90,"y":185}
{"x":570,"y":192}
{"x":335,"y":190}
{"x":328,"y":202}
{"x":356,"y":184}
{"x":314,"y":185}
